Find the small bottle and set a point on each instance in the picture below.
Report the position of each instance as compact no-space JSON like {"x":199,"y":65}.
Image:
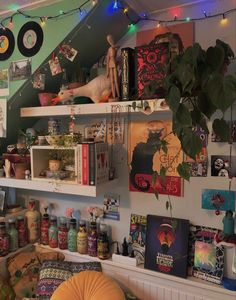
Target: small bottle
{"x":13,"y":234}
{"x":4,"y":240}
{"x":63,"y":234}
{"x":22,"y":231}
{"x":103,"y":243}
{"x":44,"y":237}
{"x":82,"y":238}
{"x":53,"y":233}
{"x":72,"y":236}
{"x":92,"y":239}
{"x":33,"y":222}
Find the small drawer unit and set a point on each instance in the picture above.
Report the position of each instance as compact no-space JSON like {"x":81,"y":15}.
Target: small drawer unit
{"x":49,"y":163}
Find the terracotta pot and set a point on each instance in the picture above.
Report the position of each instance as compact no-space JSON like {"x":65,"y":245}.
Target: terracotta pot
{"x":54,"y":165}
{"x":19,"y":169}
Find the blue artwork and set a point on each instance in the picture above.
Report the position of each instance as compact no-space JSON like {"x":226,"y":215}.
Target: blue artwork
{"x":218,"y":200}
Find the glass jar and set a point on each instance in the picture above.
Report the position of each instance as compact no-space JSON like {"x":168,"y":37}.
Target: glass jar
{"x":4,"y":240}
{"x":103,"y":243}
{"x":82,"y":238}
{"x":44,"y":237}
{"x":13,"y":235}
{"x":92,"y":239}
{"x":33,"y":222}
{"x":53,"y":233}
{"x":72,"y":236}
{"x":22,"y":231}
{"x":63,"y":234}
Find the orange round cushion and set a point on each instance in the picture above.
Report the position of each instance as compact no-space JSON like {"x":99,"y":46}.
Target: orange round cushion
{"x":88,"y":285}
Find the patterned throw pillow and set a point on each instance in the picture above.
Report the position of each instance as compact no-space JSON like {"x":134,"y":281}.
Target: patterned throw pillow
{"x":53,"y":273}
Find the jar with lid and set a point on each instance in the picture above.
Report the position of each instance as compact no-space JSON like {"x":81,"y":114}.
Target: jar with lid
{"x":44,"y":237}
{"x":22,"y":231}
{"x":53,"y":232}
{"x":4,"y":240}
{"x":72,"y":236}
{"x":13,"y":235}
{"x":33,"y":222}
{"x":82,"y":238}
{"x":63,"y":234}
{"x":92,"y":239}
{"x":103,"y":243}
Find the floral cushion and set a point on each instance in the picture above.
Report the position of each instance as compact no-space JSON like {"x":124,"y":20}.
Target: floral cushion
{"x":53,"y":273}
{"x":24,"y":271}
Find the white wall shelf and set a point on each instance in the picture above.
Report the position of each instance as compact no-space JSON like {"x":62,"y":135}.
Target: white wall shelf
{"x":58,"y":187}
{"x":91,"y":109}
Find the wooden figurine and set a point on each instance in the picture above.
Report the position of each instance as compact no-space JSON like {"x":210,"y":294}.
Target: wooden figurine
{"x":7,"y":168}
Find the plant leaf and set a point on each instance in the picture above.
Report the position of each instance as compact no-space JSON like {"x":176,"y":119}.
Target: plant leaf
{"x":183,"y":116}
{"x":154,"y":177}
{"x":173,"y":98}
{"x":205,"y":105}
{"x":163,"y":174}
{"x":191,"y":143}
{"x":222,"y":91}
{"x":215,"y":57}
{"x":185,"y":75}
{"x":184,"y":170}
{"x":221,"y":129}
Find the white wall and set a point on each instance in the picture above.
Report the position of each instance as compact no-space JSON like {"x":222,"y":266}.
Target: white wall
{"x":188,"y":207}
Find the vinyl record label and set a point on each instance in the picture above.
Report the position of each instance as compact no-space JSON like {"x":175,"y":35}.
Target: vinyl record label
{"x":30,"y":39}
{"x":7,"y":43}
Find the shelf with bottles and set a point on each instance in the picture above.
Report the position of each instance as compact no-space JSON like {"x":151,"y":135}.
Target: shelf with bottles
{"x":158,"y":105}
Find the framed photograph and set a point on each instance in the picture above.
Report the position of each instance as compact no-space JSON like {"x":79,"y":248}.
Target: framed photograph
{"x":4,"y":82}
{"x":2,"y":200}
{"x":20,"y":69}
{"x":3,"y":118}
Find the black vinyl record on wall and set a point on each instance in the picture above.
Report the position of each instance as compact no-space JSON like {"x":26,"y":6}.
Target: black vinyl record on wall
{"x":30,"y":39}
{"x":7,"y":43}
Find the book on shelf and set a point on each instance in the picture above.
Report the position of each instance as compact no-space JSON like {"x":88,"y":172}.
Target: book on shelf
{"x":167,"y":245}
{"x":206,"y":260}
{"x":93,"y":163}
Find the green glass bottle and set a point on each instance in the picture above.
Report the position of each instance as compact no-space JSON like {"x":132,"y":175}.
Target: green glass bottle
{"x":72,"y":236}
{"x":13,"y":234}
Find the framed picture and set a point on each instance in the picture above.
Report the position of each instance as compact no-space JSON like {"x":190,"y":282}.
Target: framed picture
{"x":2,"y":200}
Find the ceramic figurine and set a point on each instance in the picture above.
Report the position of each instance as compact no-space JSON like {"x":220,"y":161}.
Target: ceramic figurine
{"x":7,"y":168}
{"x":228,"y":222}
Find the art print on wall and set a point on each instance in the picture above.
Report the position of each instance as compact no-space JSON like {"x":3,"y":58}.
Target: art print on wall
{"x":145,"y":159}
{"x":224,"y":166}
{"x":232,"y":128}
{"x":111,"y":207}
{"x":221,"y":200}
{"x":20,"y":69}
{"x":39,"y":81}
{"x":3,"y":118}
{"x":55,"y":66}
{"x":4,"y":82}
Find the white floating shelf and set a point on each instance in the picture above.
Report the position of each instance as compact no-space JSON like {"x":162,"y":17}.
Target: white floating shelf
{"x":55,"y":186}
{"x":157,"y":105}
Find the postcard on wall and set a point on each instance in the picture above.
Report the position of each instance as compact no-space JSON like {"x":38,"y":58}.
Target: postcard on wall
{"x":3,"y":118}
{"x":111,"y":207}
{"x":39,"y":81}
{"x":144,"y":157}
{"x":4,"y":82}
{"x":55,"y":66}
{"x":205,"y":260}
{"x":20,"y":69}
{"x":222,"y":165}
{"x":232,"y":128}
{"x":218,"y":199}
{"x":167,"y":245}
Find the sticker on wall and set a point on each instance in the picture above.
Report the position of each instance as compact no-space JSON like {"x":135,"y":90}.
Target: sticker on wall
{"x":111,"y":207}
{"x":4,"y":82}
{"x":20,"y":69}
{"x":55,"y":66}
{"x":39,"y":81}
{"x":219,"y":200}
{"x":3,"y":117}
{"x":7,"y":43}
{"x":30,"y":39}
{"x":223,"y":165}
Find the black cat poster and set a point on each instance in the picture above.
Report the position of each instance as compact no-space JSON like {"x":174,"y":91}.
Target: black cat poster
{"x":167,"y":245}
{"x":145,"y":159}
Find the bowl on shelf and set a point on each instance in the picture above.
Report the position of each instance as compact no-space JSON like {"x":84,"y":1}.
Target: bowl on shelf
{"x":45,"y":98}
{"x":53,"y":140}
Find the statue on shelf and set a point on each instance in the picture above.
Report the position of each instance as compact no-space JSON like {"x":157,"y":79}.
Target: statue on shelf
{"x":112,"y":73}
{"x":7,"y":168}
{"x":98,"y":90}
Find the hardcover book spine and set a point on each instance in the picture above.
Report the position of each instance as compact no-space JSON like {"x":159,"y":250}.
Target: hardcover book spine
{"x":80,"y":166}
{"x":127,"y":75}
{"x":102,"y":162}
{"x":92,"y":172}
{"x":85,"y":164}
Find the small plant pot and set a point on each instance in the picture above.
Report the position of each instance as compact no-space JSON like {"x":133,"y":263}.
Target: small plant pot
{"x":54,"y":165}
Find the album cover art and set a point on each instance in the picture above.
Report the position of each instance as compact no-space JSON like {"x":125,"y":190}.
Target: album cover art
{"x":20,"y":69}
{"x":222,"y":165}
{"x":55,"y":66}
{"x":39,"y":81}
{"x":206,"y":261}
{"x":221,"y":200}
{"x":137,"y":232}
{"x":167,"y":245}
{"x":145,"y":159}
{"x":232,"y":128}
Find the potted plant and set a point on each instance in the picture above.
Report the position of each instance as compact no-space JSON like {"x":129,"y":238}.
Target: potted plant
{"x":54,"y":162}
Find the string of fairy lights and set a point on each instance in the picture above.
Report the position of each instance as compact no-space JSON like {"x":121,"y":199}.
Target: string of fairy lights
{"x":116,"y":6}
